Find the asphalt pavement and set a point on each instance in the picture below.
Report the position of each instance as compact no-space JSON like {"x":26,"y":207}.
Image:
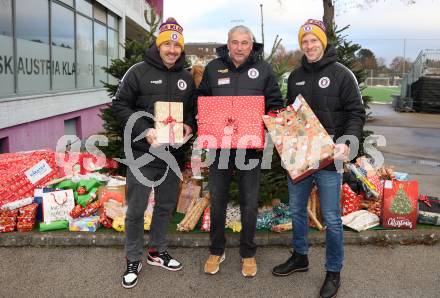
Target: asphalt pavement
{"x":369,"y":271}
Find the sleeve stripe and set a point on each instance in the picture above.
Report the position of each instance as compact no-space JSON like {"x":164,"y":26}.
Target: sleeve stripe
{"x":129,"y":70}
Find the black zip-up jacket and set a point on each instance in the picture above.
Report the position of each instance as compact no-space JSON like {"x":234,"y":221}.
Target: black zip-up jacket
{"x":144,"y":84}
{"x":332,"y":92}
{"x":253,"y":77}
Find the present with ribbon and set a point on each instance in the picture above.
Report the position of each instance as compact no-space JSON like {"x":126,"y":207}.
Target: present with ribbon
{"x":301,"y":141}
{"x":429,"y":210}
{"x":223,"y":122}
{"x":168,"y":122}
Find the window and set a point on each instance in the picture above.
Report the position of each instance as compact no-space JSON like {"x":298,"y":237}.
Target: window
{"x":100,"y":54}
{"x":112,"y":21}
{"x":63,"y":48}
{"x":85,"y":7}
{"x":84,"y":45}
{"x":71,"y":126}
{"x":99,"y":13}
{"x":4,"y":145}
{"x":68,"y":2}
{"x":6,"y":49}
{"x":33,"y":63}
{"x":59,"y":45}
{"x":113,"y":50}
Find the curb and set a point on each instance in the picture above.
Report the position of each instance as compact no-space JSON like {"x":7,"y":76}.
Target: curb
{"x":191,"y":240}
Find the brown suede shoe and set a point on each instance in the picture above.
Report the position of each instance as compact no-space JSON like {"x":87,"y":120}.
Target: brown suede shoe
{"x":249,"y":267}
{"x":212,"y":265}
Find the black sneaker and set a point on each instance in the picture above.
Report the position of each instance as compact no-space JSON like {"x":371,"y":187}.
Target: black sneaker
{"x":130,"y":277}
{"x":296,"y":263}
{"x":164,"y":260}
{"x":331,"y":285}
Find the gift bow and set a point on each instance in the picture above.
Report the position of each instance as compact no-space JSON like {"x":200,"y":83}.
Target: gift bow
{"x":232,"y":123}
{"x":424,"y":199}
{"x":171,"y":122}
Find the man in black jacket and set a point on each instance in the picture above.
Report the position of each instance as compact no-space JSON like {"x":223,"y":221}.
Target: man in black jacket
{"x":239,"y":70}
{"x":160,"y":77}
{"x":332,"y":92}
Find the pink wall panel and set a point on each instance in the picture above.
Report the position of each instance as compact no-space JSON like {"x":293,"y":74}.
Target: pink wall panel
{"x":45,"y":133}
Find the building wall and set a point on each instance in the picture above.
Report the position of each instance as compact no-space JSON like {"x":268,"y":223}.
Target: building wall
{"x":45,"y":133}
{"x":36,"y":119}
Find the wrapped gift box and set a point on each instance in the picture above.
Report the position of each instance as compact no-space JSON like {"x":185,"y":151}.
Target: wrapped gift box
{"x":400,"y":204}
{"x":84,"y":224}
{"x":429,"y":210}
{"x":350,"y":201}
{"x":230,"y":122}
{"x":22,"y":172}
{"x":168,"y":122}
{"x":301,"y":141}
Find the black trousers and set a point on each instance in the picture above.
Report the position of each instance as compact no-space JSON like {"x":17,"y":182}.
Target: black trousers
{"x":221,"y":173}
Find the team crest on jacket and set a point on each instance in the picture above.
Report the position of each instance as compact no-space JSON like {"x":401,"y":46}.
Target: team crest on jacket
{"x":324,"y":82}
{"x":181,"y":84}
{"x":253,"y":73}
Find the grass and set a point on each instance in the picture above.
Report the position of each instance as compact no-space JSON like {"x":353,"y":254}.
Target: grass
{"x":381,"y":94}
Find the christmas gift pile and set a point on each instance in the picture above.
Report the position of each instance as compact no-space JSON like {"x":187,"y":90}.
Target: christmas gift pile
{"x":380,"y":191}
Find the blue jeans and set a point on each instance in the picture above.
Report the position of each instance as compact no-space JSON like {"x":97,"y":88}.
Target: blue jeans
{"x":329,"y":188}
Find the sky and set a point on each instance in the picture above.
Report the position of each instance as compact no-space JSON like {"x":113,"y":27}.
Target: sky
{"x":389,"y":28}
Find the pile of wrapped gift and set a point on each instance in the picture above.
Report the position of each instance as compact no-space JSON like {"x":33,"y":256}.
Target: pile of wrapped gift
{"x":378,"y":196}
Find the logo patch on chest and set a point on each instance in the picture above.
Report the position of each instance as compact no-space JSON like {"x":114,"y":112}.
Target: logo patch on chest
{"x":324,"y":82}
{"x":302,"y":83}
{"x":181,"y":84}
{"x":253,"y":73}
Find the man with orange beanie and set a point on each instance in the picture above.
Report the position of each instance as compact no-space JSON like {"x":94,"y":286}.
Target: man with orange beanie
{"x":160,"y":77}
{"x":331,"y":90}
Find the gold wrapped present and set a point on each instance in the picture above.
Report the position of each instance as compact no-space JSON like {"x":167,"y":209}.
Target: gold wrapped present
{"x":301,"y":141}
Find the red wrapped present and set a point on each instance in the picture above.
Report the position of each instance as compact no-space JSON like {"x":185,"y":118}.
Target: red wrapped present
{"x":91,"y":209}
{"x":21,"y":174}
{"x":26,"y":219}
{"x":76,"y":211}
{"x":29,"y":210}
{"x":230,"y":122}
{"x":25,"y":226}
{"x":6,"y":228}
{"x":349,"y":200}
{"x":400,"y":204}
{"x":301,"y":141}
{"x":9,"y":213}
{"x":105,"y":221}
